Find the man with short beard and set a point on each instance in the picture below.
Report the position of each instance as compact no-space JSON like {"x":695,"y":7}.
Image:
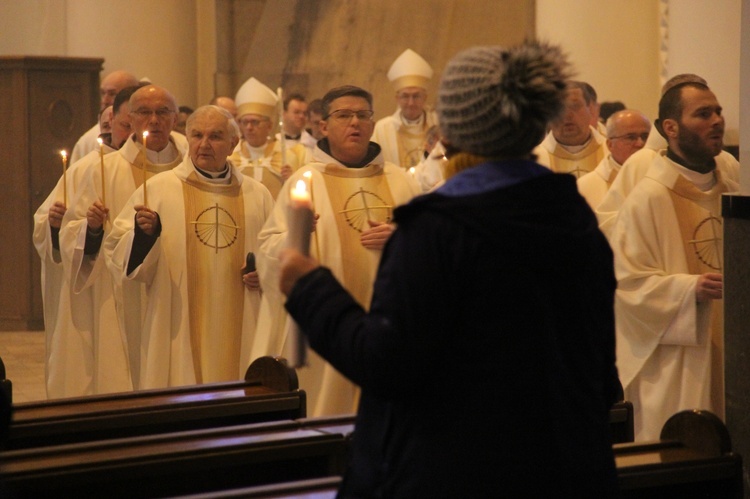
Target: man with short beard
{"x":668,"y":260}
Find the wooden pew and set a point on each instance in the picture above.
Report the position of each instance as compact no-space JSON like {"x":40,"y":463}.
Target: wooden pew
{"x":183,"y":462}
{"x":622,"y":422}
{"x":268,"y":393}
{"x":319,"y":488}
{"x":692,"y":459}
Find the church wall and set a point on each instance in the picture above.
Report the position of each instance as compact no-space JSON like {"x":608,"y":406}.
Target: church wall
{"x":616,"y":47}
{"x":310,"y":46}
{"x":316,"y":44}
{"x":150,"y":38}
{"x":613,"y":46}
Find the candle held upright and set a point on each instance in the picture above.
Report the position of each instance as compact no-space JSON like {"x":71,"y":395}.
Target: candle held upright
{"x":101,"y":162}
{"x":145,"y":161}
{"x":298,"y":237}
{"x":64,"y":155}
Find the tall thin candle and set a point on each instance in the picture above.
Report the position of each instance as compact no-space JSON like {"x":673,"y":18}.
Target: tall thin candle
{"x":64,"y":155}
{"x":101,"y":162}
{"x":145,"y":161}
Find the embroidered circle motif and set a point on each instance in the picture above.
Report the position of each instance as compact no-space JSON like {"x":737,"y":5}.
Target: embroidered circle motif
{"x":364,"y":205}
{"x":216,"y":228}
{"x":706,"y":242}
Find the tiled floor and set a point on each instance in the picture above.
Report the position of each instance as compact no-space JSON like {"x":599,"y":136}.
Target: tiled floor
{"x":23,"y":355}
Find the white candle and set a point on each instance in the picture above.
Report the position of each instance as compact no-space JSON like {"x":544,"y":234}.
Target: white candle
{"x":145,"y":160}
{"x":101,"y":162}
{"x":282,"y":137}
{"x":300,"y":217}
{"x":64,"y":155}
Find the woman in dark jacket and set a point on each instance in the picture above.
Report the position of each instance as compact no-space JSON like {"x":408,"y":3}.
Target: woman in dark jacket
{"x":486,"y":360}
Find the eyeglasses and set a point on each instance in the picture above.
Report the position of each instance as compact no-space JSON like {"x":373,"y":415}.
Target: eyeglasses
{"x":161,"y":114}
{"x":632,"y":137}
{"x":252,"y":122}
{"x":418,"y":96}
{"x":346,"y":115}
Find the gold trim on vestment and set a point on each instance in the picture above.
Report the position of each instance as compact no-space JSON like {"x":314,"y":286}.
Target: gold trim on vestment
{"x":215,"y":241}
{"x":563,"y":161}
{"x":353,"y":193}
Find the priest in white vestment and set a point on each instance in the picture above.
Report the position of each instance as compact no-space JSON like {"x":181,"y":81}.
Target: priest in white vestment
{"x":109,"y":87}
{"x":185,"y":234}
{"x":354,"y":193}
{"x":572,"y":144}
{"x":103,"y":195}
{"x":667,"y":241}
{"x":68,"y":317}
{"x":402,"y":135}
{"x":627,"y":132}
{"x":267,"y":160}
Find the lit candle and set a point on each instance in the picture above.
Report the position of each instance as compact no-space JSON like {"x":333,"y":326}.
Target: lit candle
{"x":308,"y":176}
{"x":64,"y":155}
{"x":145,"y":160}
{"x":101,"y":162}
{"x":298,"y":237}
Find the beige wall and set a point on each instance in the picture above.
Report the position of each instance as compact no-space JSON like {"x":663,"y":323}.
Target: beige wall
{"x":319,"y":44}
{"x":612,"y":44}
{"x":616,"y":45}
{"x":196,"y":47}
{"x":152,"y":38}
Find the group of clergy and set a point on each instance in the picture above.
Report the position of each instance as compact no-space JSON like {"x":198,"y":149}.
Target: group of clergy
{"x":144,"y":240}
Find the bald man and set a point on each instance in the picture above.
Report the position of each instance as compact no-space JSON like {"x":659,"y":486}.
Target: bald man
{"x":627,"y":132}
{"x":226,"y":103}
{"x":85,"y":225}
{"x":108,"y":89}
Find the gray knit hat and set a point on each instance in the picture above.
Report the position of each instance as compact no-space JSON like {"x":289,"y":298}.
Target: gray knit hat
{"x":497,"y":102}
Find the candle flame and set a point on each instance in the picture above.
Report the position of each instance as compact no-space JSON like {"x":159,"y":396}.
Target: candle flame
{"x":300,"y":187}
{"x":64,"y":153}
{"x":145,"y":134}
{"x":101,"y":142}
{"x":307,"y":174}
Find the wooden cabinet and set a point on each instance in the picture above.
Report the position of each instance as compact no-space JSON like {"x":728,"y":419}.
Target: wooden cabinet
{"x":46,"y":103}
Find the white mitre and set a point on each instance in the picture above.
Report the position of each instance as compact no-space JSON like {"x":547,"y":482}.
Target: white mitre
{"x":409,"y":70}
{"x":253,"y":97}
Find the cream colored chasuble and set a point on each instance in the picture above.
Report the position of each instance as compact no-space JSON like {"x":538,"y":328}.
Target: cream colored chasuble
{"x":410,"y":139}
{"x":580,"y":163}
{"x":702,"y":237}
{"x":142,"y":167}
{"x":354,"y":204}
{"x":215,"y":233}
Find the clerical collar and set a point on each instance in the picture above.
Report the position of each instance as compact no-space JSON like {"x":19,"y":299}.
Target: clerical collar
{"x":703,"y":181}
{"x":576,"y":149}
{"x":166,"y":155}
{"x":256,"y":152}
{"x":418,"y":121}
{"x":293,"y":137}
{"x":215,"y":177}
{"x":372,"y":152}
{"x":707,"y":168}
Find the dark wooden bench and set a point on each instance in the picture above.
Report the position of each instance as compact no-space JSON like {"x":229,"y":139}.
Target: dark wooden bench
{"x":183,"y":462}
{"x":318,"y":488}
{"x":692,"y":459}
{"x":270,"y":392}
{"x":622,"y":422}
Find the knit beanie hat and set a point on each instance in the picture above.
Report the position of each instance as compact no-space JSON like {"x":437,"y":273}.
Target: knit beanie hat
{"x":497,"y":102}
